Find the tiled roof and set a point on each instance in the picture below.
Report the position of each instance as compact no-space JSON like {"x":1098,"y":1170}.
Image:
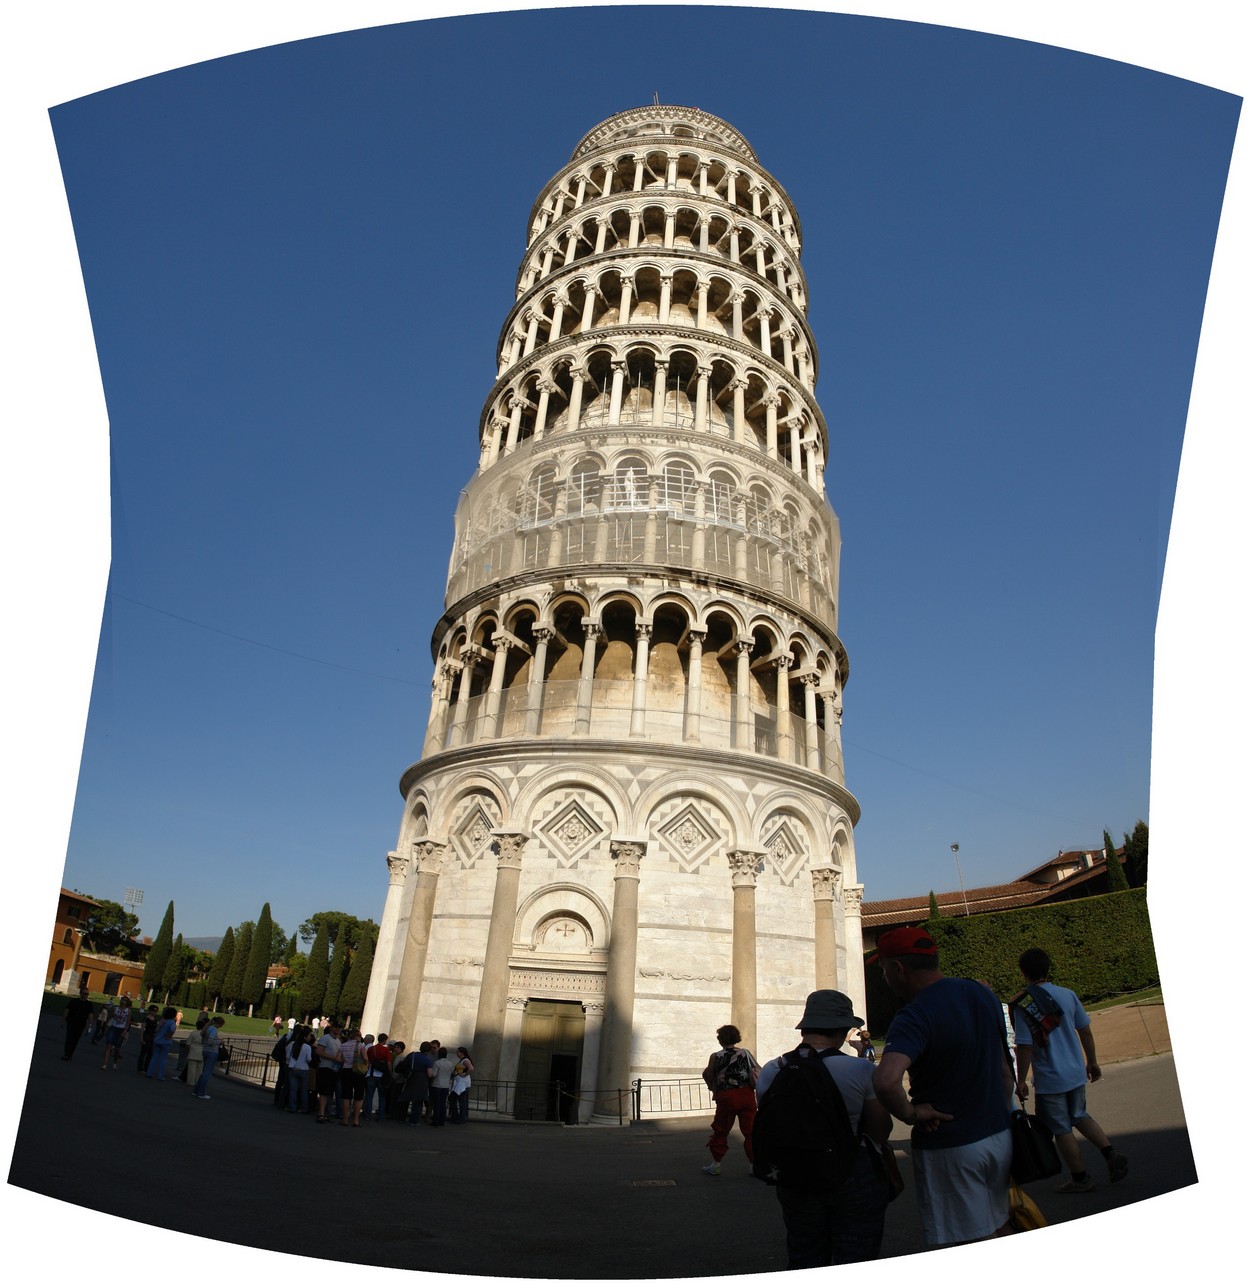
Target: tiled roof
{"x":981,"y":900}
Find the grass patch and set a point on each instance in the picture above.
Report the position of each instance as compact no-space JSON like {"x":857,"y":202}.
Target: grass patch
{"x":1119,"y":1000}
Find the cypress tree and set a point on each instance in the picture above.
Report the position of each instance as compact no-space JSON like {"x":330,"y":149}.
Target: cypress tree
{"x":1137,"y":854}
{"x":934,"y":911}
{"x":221,"y":965}
{"x":257,"y":967}
{"x":317,"y":973}
{"x":158,"y":955}
{"x":1117,"y":880}
{"x":356,"y":987}
{"x":176,"y":969}
{"x":338,"y":971}
{"x":232,"y":991}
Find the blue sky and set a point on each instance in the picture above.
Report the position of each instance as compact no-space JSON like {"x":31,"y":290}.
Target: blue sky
{"x":914,"y":598}
{"x":298,"y":260}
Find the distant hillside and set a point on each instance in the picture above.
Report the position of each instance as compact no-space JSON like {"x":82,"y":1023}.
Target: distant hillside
{"x":208,"y":943}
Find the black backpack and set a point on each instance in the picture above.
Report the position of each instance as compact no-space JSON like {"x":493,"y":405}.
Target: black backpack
{"x":802,"y":1134}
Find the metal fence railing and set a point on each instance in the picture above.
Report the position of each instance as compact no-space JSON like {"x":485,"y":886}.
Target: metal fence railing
{"x":670,"y":1097}
{"x":531,"y":1102}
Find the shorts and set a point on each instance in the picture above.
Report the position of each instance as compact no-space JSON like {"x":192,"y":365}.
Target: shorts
{"x":962,"y":1190}
{"x":353,"y":1085}
{"x":327,"y":1077}
{"x":1059,"y":1111}
{"x":115,"y":1037}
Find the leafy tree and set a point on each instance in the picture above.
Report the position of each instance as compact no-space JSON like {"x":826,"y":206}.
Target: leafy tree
{"x":294,"y":979}
{"x":158,"y":955}
{"x":1137,"y":854}
{"x":292,"y":950}
{"x":317,"y":972}
{"x":335,"y":921}
{"x":257,"y":966}
{"x":176,"y":968}
{"x":111,"y":929}
{"x":356,"y":987}
{"x":1117,"y":880}
{"x":232,"y":991}
{"x":216,"y":982}
{"x":934,"y":911}
{"x":278,"y":946}
{"x":334,"y":985}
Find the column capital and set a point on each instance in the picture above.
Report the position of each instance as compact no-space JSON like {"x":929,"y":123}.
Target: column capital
{"x":628,"y":854}
{"x":510,"y":844}
{"x":809,"y":679}
{"x":697,"y":636}
{"x":853,"y":899}
{"x":742,"y":646}
{"x":745,"y":866}
{"x":543,"y":632}
{"x":592,"y":630}
{"x":428,"y":855}
{"x":398,"y":866}
{"x":826,"y":880}
{"x":502,"y":642}
{"x":783,"y":663}
{"x":642,"y":631}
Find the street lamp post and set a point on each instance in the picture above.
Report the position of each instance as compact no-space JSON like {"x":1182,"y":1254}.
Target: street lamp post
{"x":960,"y":872}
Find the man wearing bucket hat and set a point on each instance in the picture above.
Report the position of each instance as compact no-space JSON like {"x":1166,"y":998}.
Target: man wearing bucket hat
{"x":949,"y":1040}
{"x":828,"y":1225}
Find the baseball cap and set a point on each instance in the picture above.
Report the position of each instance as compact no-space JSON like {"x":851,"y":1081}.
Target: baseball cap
{"x":902,"y":942}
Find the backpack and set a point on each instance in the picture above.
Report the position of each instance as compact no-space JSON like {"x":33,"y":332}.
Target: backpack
{"x":802,"y":1134}
{"x":279,"y":1050}
{"x":1039,"y":1010}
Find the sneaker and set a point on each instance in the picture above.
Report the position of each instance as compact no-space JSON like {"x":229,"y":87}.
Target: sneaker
{"x":712,"y":1169}
{"x":1117,"y":1166}
{"x":1076,"y":1187}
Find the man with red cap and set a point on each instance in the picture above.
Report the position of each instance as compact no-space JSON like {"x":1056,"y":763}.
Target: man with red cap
{"x":949,"y":1039}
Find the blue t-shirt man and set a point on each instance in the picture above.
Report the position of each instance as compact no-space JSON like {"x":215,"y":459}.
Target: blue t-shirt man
{"x":953,"y":1034}
{"x":1059,"y":1066}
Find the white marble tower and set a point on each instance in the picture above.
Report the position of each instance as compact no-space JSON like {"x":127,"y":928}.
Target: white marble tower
{"x":629,"y":823}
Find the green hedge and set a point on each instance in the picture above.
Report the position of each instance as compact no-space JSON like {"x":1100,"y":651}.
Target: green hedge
{"x":1099,"y":946}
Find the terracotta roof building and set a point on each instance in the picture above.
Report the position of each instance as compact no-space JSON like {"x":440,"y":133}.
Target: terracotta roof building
{"x":1067,"y":876}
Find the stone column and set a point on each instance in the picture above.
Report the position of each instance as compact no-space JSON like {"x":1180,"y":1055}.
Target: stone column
{"x":638,"y":713}
{"x":538,"y":669}
{"x":744,"y":866}
{"x":493,"y":997}
{"x":809,"y":719}
{"x":694,"y":684}
{"x":585,"y":684}
{"x":380,"y":976}
{"x":575,"y":399}
{"x":436,"y":730}
{"x":658,"y":393}
{"x":468,"y":663}
{"x":618,"y":387}
{"x":743,"y":740}
{"x":666,"y":294}
{"x":770,"y":409}
{"x":616,"y":1047}
{"x":784,"y":751}
{"x":739,"y":387}
{"x":502,"y":646}
{"x":428,"y":856}
{"x":853,"y":926}
{"x":826,"y":882}
{"x":545,"y":389}
{"x":701,"y":398}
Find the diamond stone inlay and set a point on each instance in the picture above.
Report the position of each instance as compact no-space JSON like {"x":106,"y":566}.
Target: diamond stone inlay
{"x":689,"y":838}
{"x":786,"y":852}
{"x":472,"y":838}
{"x":570,"y":832}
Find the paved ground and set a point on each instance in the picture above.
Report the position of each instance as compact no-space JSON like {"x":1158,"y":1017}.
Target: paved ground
{"x":491,"y":1198}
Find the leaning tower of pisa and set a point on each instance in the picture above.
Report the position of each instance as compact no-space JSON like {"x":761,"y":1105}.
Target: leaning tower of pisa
{"x":629,"y":823}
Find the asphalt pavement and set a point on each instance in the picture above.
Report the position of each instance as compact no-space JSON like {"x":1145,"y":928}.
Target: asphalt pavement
{"x":489,"y":1198}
